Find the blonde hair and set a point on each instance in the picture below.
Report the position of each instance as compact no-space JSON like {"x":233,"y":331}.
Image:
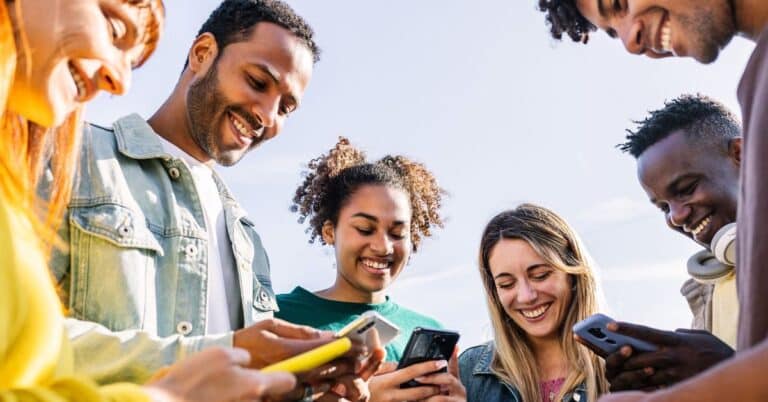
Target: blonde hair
{"x":27,"y":148}
{"x":513,"y":360}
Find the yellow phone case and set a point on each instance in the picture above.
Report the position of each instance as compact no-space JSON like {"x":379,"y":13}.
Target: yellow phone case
{"x":311,"y":359}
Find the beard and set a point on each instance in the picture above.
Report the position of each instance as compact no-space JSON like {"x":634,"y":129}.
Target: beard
{"x":207,"y":108}
{"x":714,"y":27}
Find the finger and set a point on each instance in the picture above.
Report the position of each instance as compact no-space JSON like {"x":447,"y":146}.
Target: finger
{"x":657,"y":360}
{"x":655,"y":336}
{"x":453,"y":363}
{"x":631,"y":380}
{"x":285,"y":329}
{"x":437,"y":379}
{"x":372,"y":364}
{"x":258,"y":385}
{"x":386,"y":367}
{"x":414,"y":394}
{"x":418,"y":370}
{"x":614,"y":362}
{"x":328,"y":371}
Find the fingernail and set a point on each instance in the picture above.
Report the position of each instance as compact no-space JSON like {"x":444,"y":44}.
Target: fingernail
{"x":648,"y":371}
{"x":626,"y":351}
{"x":441,"y":364}
{"x":612,"y":326}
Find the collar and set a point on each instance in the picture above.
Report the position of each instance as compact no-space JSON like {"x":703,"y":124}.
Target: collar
{"x":137,"y":140}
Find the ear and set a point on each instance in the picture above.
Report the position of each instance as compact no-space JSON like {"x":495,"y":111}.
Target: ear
{"x":734,"y":150}
{"x":203,"y":53}
{"x":328,"y":233}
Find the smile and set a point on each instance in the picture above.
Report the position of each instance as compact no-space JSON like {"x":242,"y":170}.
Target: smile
{"x":80,"y":82}
{"x":701,"y":226}
{"x":244,"y":129}
{"x":535,"y":313}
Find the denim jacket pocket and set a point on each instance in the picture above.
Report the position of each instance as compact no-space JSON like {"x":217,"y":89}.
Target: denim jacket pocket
{"x":264,"y":300}
{"x":113,"y":256}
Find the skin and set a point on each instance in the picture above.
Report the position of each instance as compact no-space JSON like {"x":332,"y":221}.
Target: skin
{"x":699,"y":28}
{"x":258,"y":82}
{"x":526,"y":282}
{"x":99,"y":39}
{"x":374,"y":226}
{"x":688,"y":188}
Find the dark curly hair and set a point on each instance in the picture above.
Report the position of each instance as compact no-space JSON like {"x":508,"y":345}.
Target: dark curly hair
{"x":562,"y":16}
{"x":233,"y":21}
{"x":332,"y":178}
{"x":703,"y":119}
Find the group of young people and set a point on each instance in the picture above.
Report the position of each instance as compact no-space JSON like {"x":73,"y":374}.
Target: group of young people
{"x":130,"y":272}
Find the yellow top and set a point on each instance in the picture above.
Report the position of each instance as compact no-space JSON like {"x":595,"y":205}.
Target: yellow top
{"x":725,"y":310}
{"x":35,"y":358}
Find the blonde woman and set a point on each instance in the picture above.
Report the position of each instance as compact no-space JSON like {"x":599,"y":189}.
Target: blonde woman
{"x":538,"y":283}
{"x":54,"y":56}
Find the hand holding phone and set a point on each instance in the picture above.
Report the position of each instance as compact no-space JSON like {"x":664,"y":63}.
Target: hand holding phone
{"x":594,"y":334}
{"x":427,"y":344}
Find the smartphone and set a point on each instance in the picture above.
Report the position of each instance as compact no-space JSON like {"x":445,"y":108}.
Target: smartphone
{"x":427,"y":344}
{"x":313,"y":358}
{"x":603,"y":342}
{"x":359,"y":329}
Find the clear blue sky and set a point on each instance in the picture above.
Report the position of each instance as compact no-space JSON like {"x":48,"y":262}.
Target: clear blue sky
{"x":501,"y":114}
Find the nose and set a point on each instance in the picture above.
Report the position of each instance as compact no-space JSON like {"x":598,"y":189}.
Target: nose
{"x":113,"y":80}
{"x":267,"y":110}
{"x":678,"y":214}
{"x":526,"y":293}
{"x":382,"y":245}
{"x":631,"y":33}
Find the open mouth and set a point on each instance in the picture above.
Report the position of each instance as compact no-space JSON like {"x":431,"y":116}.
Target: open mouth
{"x":376,"y":266}
{"x":665,"y":40}
{"x":246,"y":133}
{"x":81,"y":82}
{"x":535,"y":313}
{"x":702,"y":225}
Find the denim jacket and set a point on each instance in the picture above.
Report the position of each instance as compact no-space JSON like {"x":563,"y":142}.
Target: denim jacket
{"x":483,"y":384}
{"x":134,"y":277}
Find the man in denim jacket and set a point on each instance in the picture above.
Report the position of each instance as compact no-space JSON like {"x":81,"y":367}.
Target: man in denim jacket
{"x":162,"y":260}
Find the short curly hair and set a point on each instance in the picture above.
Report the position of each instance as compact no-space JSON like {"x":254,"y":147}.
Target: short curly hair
{"x":331,"y":179}
{"x":562,"y":16}
{"x":704,"y":119}
{"x":234,"y":20}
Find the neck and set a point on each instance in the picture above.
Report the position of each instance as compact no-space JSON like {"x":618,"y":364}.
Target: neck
{"x":751,"y":17}
{"x":550,"y":358}
{"x":171,"y":122}
{"x":344,"y":291}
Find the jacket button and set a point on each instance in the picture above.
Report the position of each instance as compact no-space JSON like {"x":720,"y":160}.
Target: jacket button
{"x":263,"y":296}
{"x":184,"y":328}
{"x":191,"y":250}
{"x":125,"y":229}
{"x":174,"y":173}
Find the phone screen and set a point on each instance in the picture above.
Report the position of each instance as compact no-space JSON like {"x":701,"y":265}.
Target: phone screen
{"x":427,"y":344}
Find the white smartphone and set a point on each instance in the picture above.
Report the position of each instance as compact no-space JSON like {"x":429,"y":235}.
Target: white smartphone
{"x":360,"y":327}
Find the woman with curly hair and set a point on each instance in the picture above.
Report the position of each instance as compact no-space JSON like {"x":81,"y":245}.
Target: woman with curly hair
{"x":538,"y":282}
{"x":55,"y":55}
{"x":374,"y":214}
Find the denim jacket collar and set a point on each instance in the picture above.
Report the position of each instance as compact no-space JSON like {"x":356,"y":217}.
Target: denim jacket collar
{"x":137,"y":140}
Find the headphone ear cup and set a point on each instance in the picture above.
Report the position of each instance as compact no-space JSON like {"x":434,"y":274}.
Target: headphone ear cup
{"x":724,"y":244}
{"x":705,"y":268}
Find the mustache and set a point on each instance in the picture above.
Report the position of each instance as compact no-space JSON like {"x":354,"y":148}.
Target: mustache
{"x":254,"y":121}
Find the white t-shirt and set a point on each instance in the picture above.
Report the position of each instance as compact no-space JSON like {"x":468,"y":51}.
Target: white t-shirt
{"x":224,"y":310}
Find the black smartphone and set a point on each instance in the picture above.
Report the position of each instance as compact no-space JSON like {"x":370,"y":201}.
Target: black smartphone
{"x":427,"y":344}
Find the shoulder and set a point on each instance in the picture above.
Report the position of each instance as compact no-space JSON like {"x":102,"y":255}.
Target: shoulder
{"x":477,"y":357}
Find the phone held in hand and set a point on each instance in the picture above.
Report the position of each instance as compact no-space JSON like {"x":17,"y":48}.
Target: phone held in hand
{"x":360,"y":329}
{"x":313,"y":358}
{"x":427,"y":344}
{"x":592,"y":330}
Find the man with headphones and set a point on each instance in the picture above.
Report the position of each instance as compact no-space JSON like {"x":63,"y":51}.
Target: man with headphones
{"x":688,"y":158}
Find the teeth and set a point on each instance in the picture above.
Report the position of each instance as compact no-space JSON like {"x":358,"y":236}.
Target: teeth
{"x":666,"y":37}
{"x":535,"y":313}
{"x":79,"y":81}
{"x":375,"y":264}
{"x":244,"y":131}
{"x":701,"y":226}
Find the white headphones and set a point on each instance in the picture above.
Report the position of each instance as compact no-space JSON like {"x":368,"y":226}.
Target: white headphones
{"x":710,"y":267}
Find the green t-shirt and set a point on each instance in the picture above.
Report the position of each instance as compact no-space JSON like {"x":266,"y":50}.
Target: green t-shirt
{"x":304,"y":307}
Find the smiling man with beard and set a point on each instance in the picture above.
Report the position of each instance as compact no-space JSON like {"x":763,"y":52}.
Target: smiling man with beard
{"x":701,"y":29}
{"x":162,"y":261}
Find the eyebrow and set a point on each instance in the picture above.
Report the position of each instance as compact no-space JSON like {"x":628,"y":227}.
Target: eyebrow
{"x":670,"y":188}
{"x":530,"y":267}
{"x":274,"y":77}
{"x":373,"y":218}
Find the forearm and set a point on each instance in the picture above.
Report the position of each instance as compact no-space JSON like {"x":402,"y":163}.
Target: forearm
{"x":132,"y":355}
{"x":741,"y":378}
{"x":75,"y":389}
